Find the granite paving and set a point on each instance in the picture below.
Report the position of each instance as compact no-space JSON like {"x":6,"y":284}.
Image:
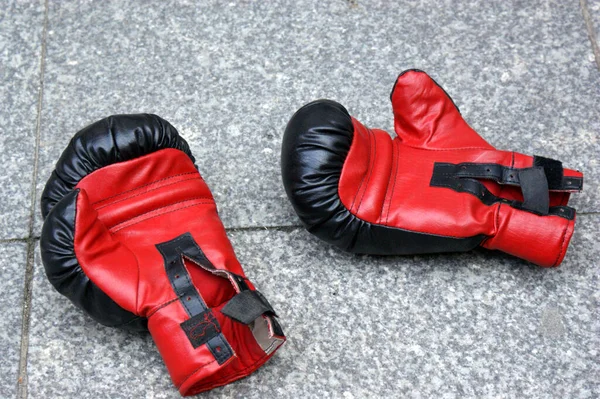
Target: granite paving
{"x":479,"y":324}
{"x":21,"y":26}
{"x":229,"y":75}
{"x":12,"y":270}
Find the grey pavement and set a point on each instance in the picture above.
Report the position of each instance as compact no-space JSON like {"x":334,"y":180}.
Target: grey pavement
{"x":228,"y":76}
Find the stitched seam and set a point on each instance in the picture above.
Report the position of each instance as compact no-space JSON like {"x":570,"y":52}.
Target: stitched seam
{"x":71,"y":187}
{"x":397,"y":144}
{"x":194,"y":243}
{"x":163,"y":213}
{"x":195,"y":371}
{"x":228,"y":377}
{"x":145,"y":185}
{"x":159,"y":307}
{"x":156,"y":209}
{"x":406,"y":230}
{"x":127,"y":322}
{"x":480,"y":175}
{"x":512,"y":166}
{"x":216,"y":271}
{"x":137,"y":289}
{"x":189,"y":282}
{"x":75,"y":223}
{"x":447,"y":149}
{"x":365,"y":175}
{"x":371,"y":169}
{"x":146,"y":192}
{"x":448,"y":185}
{"x":399,"y":228}
{"x":465,"y":191}
{"x":496,"y":224}
{"x":497,"y":219}
{"x":386,"y":203}
{"x":564,"y":237}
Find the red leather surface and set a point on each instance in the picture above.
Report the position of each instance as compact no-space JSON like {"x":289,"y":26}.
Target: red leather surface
{"x":387,"y":181}
{"x":425,"y":117}
{"x":123,"y":211}
{"x":369,"y":165}
{"x":529,"y":236}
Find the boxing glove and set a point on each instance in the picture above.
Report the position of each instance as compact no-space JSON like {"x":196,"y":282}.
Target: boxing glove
{"x":436,"y":187}
{"x":132,"y":236}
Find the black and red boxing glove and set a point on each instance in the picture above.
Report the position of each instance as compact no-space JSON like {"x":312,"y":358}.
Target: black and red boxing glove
{"x":132,"y":236}
{"x":436,"y":187}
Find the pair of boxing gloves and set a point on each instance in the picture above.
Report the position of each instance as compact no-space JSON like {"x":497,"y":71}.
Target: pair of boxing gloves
{"x":132,"y":235}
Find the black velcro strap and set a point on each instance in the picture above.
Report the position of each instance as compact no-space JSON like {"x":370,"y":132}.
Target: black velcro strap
{"x":553,"y":170}
{"x":496,"y":172}
{"x":172,"y":253}
{"x":555,"y":175}
{"x":202,"y":327}
{"x":460,"y":178}
{"x":534,"y":186}
{"x":506,"y":175}
{"x":247,"y":306}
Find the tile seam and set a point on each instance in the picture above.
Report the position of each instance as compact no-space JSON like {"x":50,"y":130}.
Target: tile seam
{"x":264,"y":228}
{"x":22,"y":384}
{"x":13,"y":240}
{"x":236,"y":229}
{"x":590,"y":31}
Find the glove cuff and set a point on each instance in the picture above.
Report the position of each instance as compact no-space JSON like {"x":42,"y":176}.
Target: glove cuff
{"x":218,"y":345}
{"x":542,"y":240}
{"x":217,"y":329}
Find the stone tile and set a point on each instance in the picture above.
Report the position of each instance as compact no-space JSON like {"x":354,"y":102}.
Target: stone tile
{"x":13,"y":257}
{"x":71,"y":356}
{"x":21,"y":25}
{"x":472,"y":325}
{"x":480,"y":324}
{"x":229,"y":77}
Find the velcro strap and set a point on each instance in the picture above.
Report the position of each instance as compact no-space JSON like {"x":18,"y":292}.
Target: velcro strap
{"x":533,"y":181}
{"x":202,"y":327}
{"x":553,"y":170}
{"x":247,"y":306}
{"x":534,"y":186}
{"x":505,"y":175}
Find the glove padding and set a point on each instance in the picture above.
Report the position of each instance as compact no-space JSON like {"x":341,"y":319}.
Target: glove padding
{"x":436,"y":187}
{"x":132,"y":236}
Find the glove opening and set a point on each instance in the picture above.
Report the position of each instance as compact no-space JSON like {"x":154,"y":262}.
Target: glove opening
{"x":247,"y":306}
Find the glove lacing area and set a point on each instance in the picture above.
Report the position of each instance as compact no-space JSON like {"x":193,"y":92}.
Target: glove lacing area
{"x":537,"y":184}
{"x":247,"y":306}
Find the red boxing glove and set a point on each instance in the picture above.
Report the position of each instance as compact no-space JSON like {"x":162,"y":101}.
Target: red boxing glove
{"x":436,"y":187}
{"x":132,"y":236}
